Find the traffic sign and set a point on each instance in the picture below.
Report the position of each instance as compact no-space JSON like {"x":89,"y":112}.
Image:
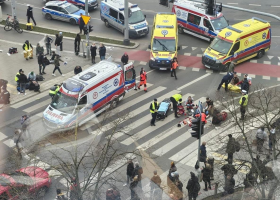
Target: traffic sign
{"x":86,"y":19}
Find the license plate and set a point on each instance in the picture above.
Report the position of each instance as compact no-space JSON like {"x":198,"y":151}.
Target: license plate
{"x":162,"y":68}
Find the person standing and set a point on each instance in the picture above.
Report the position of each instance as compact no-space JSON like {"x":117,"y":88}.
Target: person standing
{"x":229,"y":169}
{"x":243,"y":103}
{"x":244,"y":83}
{"x":206,"y":176}
{"x":153,"y":110}
{"x":170,"y":178}
{"x":229,"y":185}
{"x":57,"y":44}
{"x":226,"y":80}
{"x":175,"y":99}
{"x":25,"y":122}
{"x":155,"y":181}
{"x":133,"y":188}
{"x":77,"y":42}
{"x":197,"y":171}
{"x":22,"y":79}
{"x":81,"y":23}
{"x":203,"y":153}
{"x":93,"y":49}
{"x":231,"y":66}
{"x":143,"y":80}
{"x":61,"y":41}
{"x":209,"y":106}
{"x":27,"y":50}
{"x":29,"y":14}
{"x":102,"y":51}
{"x":77,"y":70}
{"x":41,"y":63}
{"x":56,"y":65}
{"x":18,"y":139}
{"x":261,"y":137}
{"x":138,"y":171}
{"x":129,"y":172}
{"x":174,"y":65}
{"x":230,"y":150}
{"x":271,"y":138}
{"x":39,"y":49}
{"x":124,"y":59}
{"x":193,"y":187}
{"x":48,"y":40}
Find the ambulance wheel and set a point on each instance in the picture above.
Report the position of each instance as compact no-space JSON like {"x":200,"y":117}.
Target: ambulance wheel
{"x":114,"y":104}
{"x":226,"y":67}
{"x":180,"y":30}
{"x":73,"y":21}
{"x":107,"y":24}
{"x":260,"y":53}
{"x":48,"y":16}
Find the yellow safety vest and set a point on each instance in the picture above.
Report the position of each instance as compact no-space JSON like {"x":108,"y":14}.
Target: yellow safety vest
{"x":26,"y":47}
{"x":54,"y":92}
{"x":177,"y":97}
{"x":246,"y":101}
{"x":16,"y":78}
{"x":153,"y":106}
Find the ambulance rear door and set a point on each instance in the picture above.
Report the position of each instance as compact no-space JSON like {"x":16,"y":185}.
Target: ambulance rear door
{"x":129,"y":76}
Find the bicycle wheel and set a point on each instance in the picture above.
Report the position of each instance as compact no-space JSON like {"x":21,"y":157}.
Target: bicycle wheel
{"x":8,"y":27}
{"x":18,"y":29}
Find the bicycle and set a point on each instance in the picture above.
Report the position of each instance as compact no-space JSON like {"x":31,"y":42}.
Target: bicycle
{"x":12,"y":24}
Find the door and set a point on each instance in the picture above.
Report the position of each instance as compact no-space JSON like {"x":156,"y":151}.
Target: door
{"x":64,"y":15}
{"x":207,"y":27}
{"x":121,"y":22}
{"x":194,"y":23}
{"x":114,"y":18}
{"x":235,"y":52}
{"x":129,"y":76}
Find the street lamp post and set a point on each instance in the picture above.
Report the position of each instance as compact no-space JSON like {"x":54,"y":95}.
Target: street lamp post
{"x":87,"y":35}
{"x":199,"y":140}
{"x":13,"y":4}
{"x":126,"y":31}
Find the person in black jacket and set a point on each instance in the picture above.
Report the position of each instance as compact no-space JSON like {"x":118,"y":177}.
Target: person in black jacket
{"x":102,"y":51}
{"x":29,"y":14}
{"x":22,"y":79}
{"x":93,"y":52}
{"x":206,"y":176}
{"x":129,"y":172}
{"x":57,"y":44}
{"x":77,"y":44}
{"x":81,"y":23}
{"x":133,"y":187}
{"x":226,"y":80}
{"x":124,"y":59}
{"x":77,"y":70}
{"x":229,"y":185}
{"x":193,"y":187}
{"x":41,"y":64}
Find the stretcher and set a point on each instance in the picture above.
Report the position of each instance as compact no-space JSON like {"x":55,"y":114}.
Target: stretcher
{"x":163,"y":109}
{"x":233,"y":88}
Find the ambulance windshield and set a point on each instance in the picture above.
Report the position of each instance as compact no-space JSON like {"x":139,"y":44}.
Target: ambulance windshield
{"x":219,"y":23}
{"x":64,"y":103}
{"x":168,"y":45}
{"x":136,"y":17}
{"x":220,"y":45}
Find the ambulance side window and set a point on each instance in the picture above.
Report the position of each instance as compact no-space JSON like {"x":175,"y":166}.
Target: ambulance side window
{"x":121,"y":18}
{"x":129,"y":75}
{"x":83,"y":100}
{"x":235,"y":48}
{"x":194,"y":19}
{"x":207,"y":24}
{"x":113,"y":13}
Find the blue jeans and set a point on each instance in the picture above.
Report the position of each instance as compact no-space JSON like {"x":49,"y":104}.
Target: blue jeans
{"x":22,"y":87}
{"x":102,"y":57}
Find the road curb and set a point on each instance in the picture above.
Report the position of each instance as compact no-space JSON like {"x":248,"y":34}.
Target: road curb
{"x":70,"y":38}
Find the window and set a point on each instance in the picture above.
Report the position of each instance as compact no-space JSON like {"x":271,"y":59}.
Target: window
{"x":64,"y":103}
{"x":113,"y":13}
{"x":207,"y":24}
{"x":129,"y":75}
{"x":121,"y":18}
{"x":235,"y":47}
{"x":194,"y":19}
{"x":219,"y":23}
{"x":220,"y":45}
{"x":53,"y":8}
{"x":136,"y":17}
{"x":167,"y":45}
{"x":83,"y":100}
{"x":71,"y":9}
{"x":63,"y":10}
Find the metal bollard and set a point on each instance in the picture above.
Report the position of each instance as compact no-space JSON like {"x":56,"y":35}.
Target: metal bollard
{"x":216,"y":187}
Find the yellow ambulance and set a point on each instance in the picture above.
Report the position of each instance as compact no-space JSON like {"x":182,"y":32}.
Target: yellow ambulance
{"x":238,"y":43}
{"x":164,"y":41}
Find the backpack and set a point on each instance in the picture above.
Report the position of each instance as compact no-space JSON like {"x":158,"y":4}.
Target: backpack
{"x":39,"y":77}
{"x":237,"y":146}
{"x":5,"y":98}
{"x":12,"y":50}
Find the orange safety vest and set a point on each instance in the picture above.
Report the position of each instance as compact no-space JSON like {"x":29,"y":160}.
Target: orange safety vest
{"x":203,"y":117}
{"x":143,"y":76}
{"x":174,"y":65}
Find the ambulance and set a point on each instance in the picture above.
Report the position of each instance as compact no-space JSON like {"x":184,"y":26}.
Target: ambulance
{"x":204,"y":21}
{"x":164,"y":41}
{"x":238,"y":43}
{"x":112,"y":14}
{"x":88,"y":94}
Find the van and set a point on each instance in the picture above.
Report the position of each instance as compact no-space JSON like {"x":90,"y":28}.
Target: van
{"x":88,"y":94}
{"x":112,"y":14}
{"x":164,"y":41}
{"x":204,"y":21}
{"x":238,"y":43}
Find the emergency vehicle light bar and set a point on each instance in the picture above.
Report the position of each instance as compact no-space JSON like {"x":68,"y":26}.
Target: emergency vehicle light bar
{"x":162,"y":26}
{"x":64,"y":2}
{"x":234,"y":29}
{"x":258,"y":19}
{"x":133,"y":6}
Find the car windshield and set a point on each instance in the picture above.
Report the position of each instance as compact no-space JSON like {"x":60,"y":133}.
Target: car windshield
{"x":4,"y":181}
{"x":219,"y":23}
{"x":136,"y":17}
{"x":168,"y":45}
{"x":220,"y":45}
{"x":64,"y":103}
{"x":71,"y":9}
{"x":21,"y":178}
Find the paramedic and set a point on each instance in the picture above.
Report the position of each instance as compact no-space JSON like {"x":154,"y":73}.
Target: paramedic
{"x":54,"y":90}
{"x":175,"y":99}
{"x":203,"y":117}
{"x":226,"y":80}
{"x":143,"y":80}
{"x":153,"y":109}
{"x":174,"y":65}
{"x":243,"y":103}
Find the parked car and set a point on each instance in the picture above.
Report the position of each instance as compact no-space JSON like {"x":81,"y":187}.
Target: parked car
{"x":25,"y":182}
{"x":92,"y":4}
{"x":62,"y":10}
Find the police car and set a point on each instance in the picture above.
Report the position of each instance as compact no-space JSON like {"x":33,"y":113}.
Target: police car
{"x":62,"y":10}
{"x":92,"y":4}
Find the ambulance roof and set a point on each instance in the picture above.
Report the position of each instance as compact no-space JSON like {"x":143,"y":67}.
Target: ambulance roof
{"x":244,"y":28}
{"x":119,"y":4}
{"x":165,"y":25}
{"x":95,"y":73}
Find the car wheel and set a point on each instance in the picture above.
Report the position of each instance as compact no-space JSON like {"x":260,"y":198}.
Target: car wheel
{"x":180,"y":30}
{"x":260,"y":53}
{"x":42,"y":192}
{"x":48,"y":16}
{"x":226,"y":67}
{"x":150,"y":64}
{"x":114,"y":104}
{"x":73,"y":21}
{"x":107,"y":24}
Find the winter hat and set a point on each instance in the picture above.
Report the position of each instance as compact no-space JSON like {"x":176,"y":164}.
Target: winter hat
{"x":31,"y":73}
{"x":20,"y":70}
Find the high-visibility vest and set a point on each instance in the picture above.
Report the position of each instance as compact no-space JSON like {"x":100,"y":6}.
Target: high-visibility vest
{"x":16,"y":78}
{"x":53,"y":92}
{"x":153,"y":106}
{"x":26,"y":47}
{"x":143,"y":77}
{"x":174,"y":65}
{"x":177,"y":97}
{"x":246,"y":101}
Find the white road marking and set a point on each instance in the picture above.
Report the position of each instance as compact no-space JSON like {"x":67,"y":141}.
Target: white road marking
{"x":270,"y":57}
{"x":194,"y":48}
{"x":199,"y":55}
{"x":195,"y":69}
{"x":233,"y":3}
{"x":192,"y":82}
{"x":278,"y":79}
{"x":202,"y":49}
{"x":253,"y":61}
{"x":255,"y":5}
{"x":37,"y":106}
{"x":267,"y":62}
{"x":209,"y":71}
{"x":2,"y":136}
{"x":252,"y":75}
{"x":279,"y":63}
{"x":187,"y":54}
{"x":182,"y":68}
{"x":9,"y":143}
{"x":184,"y":47}
{"x":266,"y":77}
{"x":275,"y":6}
{"x":143,"y":63}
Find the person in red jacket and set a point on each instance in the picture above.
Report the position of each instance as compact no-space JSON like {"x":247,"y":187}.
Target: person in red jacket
{"x":143,"y":80}
{"x":203,"y":117}
{"x":174,"y":65}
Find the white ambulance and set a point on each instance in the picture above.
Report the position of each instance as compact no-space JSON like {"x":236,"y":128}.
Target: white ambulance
{"x":92,"y":92}
{"x":203,"y":20}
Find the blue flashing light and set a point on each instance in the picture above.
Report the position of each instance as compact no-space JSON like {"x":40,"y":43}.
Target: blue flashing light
{"x":119,"y":65}
{"x":78,"y":89}
{"x":134,"y":6}
{"x":121,"y":9}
